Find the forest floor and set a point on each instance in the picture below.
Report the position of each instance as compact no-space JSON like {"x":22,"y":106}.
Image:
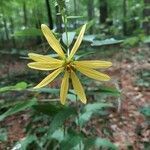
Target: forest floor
{"x":129,"y":127}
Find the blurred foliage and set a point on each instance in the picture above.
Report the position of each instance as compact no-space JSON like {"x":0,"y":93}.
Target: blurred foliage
{"x":23,"y":18}
{"x":143,"y":78}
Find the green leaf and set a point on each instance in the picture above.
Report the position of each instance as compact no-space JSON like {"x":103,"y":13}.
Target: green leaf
{"x":131,"y":41}
{"x":19,"y":86}
{"x":145,"y":111}
{"x":48,"y":109}
{"x":97,"y":106}
{"x":85,"y":117}
{"x":104,"y":143}
{"x":58,"y":135}
{"x":71,"y":36}
{"x":71,"y":141}
{"x":106,"y":42}
{"x":60,"y":118}
{"x":6,"y":88}
{"x":106,"y":90}
{"x":146,"y":39}
{"x":46,"y":90}
{"x":31,"y":32}
{"x":18,"y":107}
{"x":23,"y":144}
{"x":89,"y":38}
{"x":72,"y":97}
{"x":90,"y":109}
{"x":99,"y":143}
{"x":3,"y":134}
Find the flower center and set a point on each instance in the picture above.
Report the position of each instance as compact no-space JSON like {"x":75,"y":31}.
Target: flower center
{"x":68,"y":64}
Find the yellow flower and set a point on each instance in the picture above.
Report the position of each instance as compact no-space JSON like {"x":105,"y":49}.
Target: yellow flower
{"x":67,"y":65}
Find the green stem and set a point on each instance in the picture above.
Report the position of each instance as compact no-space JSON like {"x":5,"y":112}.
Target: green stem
{"x":64,"y":129}
{"x":78,"y":117}
{"x":64,"y":18}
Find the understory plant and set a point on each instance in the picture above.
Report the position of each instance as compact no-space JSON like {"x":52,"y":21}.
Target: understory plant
{"x":65,"y":122}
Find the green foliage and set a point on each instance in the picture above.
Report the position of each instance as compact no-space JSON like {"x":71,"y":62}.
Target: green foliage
{"x":106,"y":42}
{"x":132,"y":41}
{"x":99,"y":143}
{"x":91,"y":109}
{"x":24,"y":143}
{"x":30,"y":32}
{"x":143,"y":78}
{"x":60,"y":118}
{"x":17,"y":108}
{"x":18,"y":87}
{"x":106,"y":91}
{"x":71,"y":141}
{"x":58,"y":135}
{"x":48,"y":109}
{"x":74,"y":17}
{"x":146,"y":39}
{"x":46,"y":90}
{"x":71,"y":36}
{"x":3,"y":134}
{"x":145,"y":111}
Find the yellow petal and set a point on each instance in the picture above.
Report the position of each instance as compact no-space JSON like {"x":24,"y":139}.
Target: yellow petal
{"x":53,"y":42}
{"x":94,"y":63}
{"x":45,"y":65}
{"x":78,"y":87}
{"x":64,"y":88}
{"x":91,"y":73}
{"x":78,"y":42}
{"x":49,"y":78}
{"x":42,"y":58}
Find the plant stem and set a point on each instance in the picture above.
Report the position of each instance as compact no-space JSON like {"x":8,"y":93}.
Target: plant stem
{"x":64,"y":18}
{"x":78,"y":117}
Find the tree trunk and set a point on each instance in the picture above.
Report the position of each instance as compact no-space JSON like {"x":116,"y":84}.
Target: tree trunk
{"x":58,"y":20}
{"x":146,"y":13}
{"x":12,"y":32}
{"x":38,"y":25}
{"x":124,"y":17}
{"x":25,"y":13}
{"x":6,"y":29}
{"x":90,"y":8}
{"x":49,"y":14}
{"x":103,"y":9}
